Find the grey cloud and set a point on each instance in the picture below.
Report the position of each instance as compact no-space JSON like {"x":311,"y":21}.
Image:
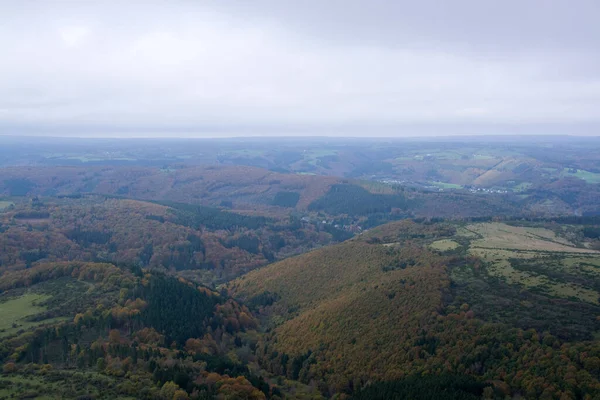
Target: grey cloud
{"x":360,"y":67}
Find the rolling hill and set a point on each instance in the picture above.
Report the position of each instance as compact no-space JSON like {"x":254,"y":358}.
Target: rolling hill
{"x":208,"y":244}
{"x":421,"y":299}
{"x":239,"y":186}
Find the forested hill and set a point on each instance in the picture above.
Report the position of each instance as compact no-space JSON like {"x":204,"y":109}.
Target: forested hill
{"x":85,"y":330}
{"x":210,"y":244}
{"x":256,"y":191}
{"x":236,"y":186}
{"x":512,"y":306}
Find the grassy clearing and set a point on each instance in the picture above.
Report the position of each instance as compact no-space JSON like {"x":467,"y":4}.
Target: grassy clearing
{"x":521,"y":187}
{"x":447,"y":155}
{"x":466,"y":233}
{"x":590,"y":265}
{"x":14,"y":312}
{"x":546,"y":262}
{"x":589,"y":177}
{"x":445,"y":185}
{"x":499,"y":265}
{"x":5,"y":204}
{"x":501,"y":236}
{"x":444,"y":245}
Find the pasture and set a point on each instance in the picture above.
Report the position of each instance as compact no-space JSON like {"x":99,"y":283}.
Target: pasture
{"x":502,"y":236}
{"x":15,"y":311}
{"x":537,"y":259}
{"x":589,"y":177}
{"x":444,"y":245}
{"x":445,"y":185}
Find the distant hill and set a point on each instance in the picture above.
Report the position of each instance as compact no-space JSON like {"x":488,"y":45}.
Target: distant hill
{"x":238,"y":186}
{"x":255,"y":191}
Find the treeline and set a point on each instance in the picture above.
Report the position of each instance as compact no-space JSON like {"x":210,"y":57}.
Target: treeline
{"x":356,"y":200}
{"x":32,"y":214}
{"x":196,"y":216}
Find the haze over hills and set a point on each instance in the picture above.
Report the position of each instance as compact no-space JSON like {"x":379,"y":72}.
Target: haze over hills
{"x":548,"y":174}
{"x":300,"y":269}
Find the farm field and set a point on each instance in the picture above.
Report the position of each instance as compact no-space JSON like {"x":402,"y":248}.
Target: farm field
{"x":503,"y":236}
{"x":537,"y":259}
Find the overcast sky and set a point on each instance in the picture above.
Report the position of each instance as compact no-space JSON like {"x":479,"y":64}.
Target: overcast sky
{"x":314,"y":67}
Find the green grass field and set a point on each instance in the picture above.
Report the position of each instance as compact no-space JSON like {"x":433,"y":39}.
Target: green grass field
{"x":521,"y":187}
{"x":444,"y":245}
{"x":13,"y":313}
{"x":535,"y":258}
{"x":445,"y":185}
{"x":589,"y":177}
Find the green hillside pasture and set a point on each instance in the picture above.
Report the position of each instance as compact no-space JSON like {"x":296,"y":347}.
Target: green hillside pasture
{"x":589,"y":177}
{"x":537,"y":259}
{"x":446,"y":185}
{"x":444,"y":245}
{"x":502,"y":236}
{"x":14,"y":313}
{"x":531,"y":270}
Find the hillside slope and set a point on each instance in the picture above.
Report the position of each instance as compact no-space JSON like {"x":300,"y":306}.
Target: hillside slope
{"x":89,"y":330}
{"x":210,"y":244}
{"x":420,"y":299}
{"x":242,"y":186}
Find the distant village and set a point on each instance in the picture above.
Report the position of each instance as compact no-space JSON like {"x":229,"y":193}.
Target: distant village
{"x":436,"y":188}
{"x":354,"y":228}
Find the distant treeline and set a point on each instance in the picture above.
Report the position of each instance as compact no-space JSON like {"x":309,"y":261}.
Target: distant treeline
{"x":196,"y":216}
{"x":33,"y":214}
{"x":356,"y":200}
